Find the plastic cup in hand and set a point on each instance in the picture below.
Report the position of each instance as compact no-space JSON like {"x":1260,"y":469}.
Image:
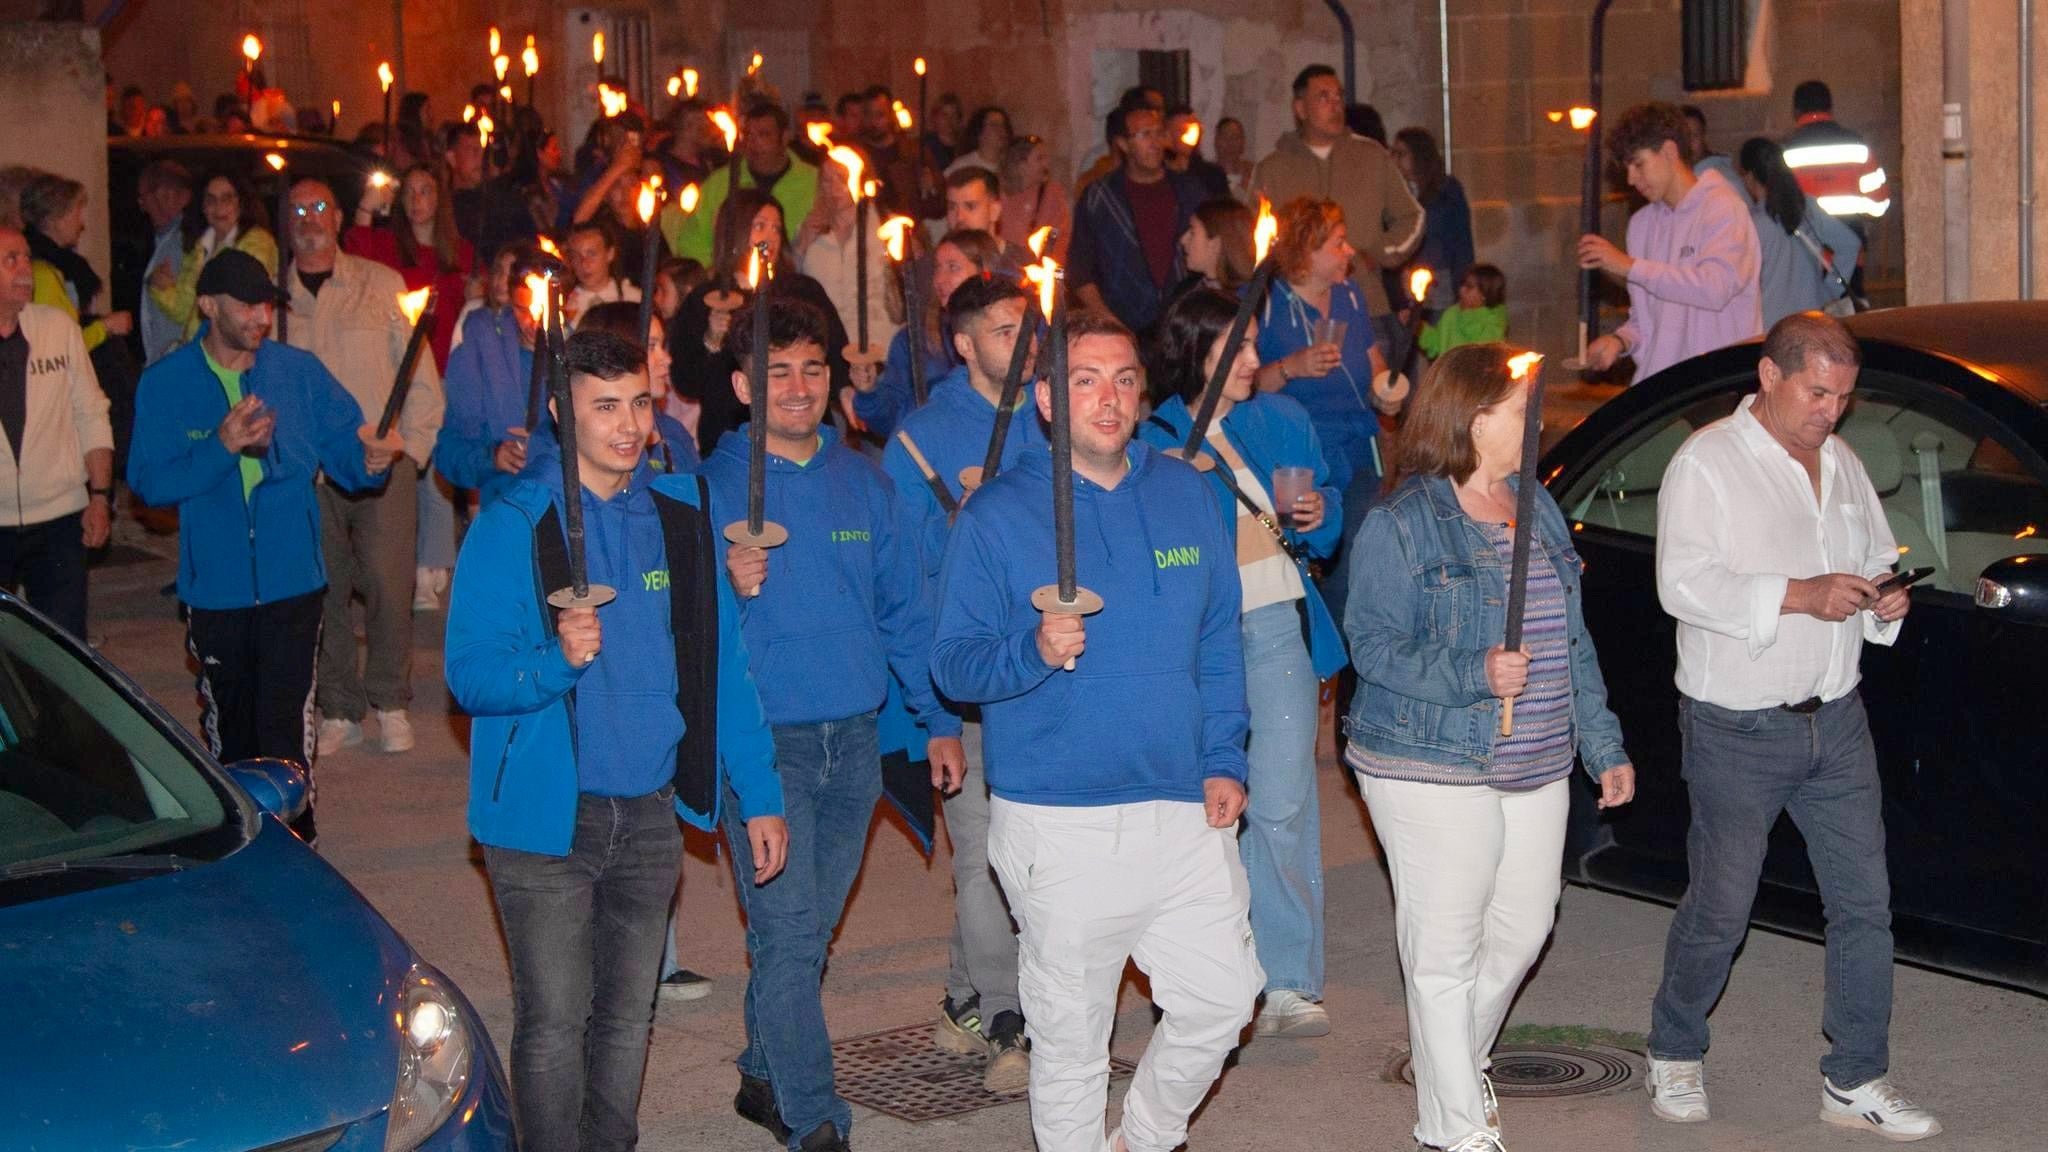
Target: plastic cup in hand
{"x":1289,"y":486}
{"x":1331,"y":332}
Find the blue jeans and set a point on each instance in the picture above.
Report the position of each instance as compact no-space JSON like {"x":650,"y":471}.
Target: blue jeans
{"x":584,"y":933}
{"x":1282,"y":840}
{"x":1359,"y":496}
{"x":831,"y":777}
{"x":1741,"y":770}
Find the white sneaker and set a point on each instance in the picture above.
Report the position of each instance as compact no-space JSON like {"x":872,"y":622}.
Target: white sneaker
{"x":394,"y":730}
{"x":1678,"y":1090}
{"x":1491,"y":1101}
{"x":1877,"y":1107}
{"x":1288,"y":1013}
{"x":336,"y":735}
{"x":425,"y":595}
{"x":1478,"y":1142}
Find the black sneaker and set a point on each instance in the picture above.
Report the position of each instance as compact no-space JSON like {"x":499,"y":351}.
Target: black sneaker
{"x":756,"y":1104}
{"x":1009,"y":1065}
{"x":959,"y":1028}
{"x":825,"y":1138}
{"x":683,"y":984}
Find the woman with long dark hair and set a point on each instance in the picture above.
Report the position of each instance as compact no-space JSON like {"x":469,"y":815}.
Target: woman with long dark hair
{"x":987,"y":139}
{"x":226,"y":214}
{"x":420,"y":243}
{"x":1808,"y":255}
{"x":1447,"y":226}
{"x":703,"y":368}
{"x":1290,"y":641}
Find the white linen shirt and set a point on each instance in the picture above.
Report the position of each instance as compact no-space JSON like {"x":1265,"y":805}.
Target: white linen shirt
{"x":1736,"y":523}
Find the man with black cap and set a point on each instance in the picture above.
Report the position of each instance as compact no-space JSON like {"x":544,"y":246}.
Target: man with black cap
{"x":233,"y":428}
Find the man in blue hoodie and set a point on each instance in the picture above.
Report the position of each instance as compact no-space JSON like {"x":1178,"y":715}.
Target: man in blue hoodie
{"x":233,"y":428}
{"x":1117,"y":785}
{"x":980,"y":1013}
{"x":828,"y":616}
{"x":593,"y":729}
{"x":482,"y":442}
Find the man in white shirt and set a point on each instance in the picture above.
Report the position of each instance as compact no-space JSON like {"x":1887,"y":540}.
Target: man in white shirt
{"x":1769,"y":540}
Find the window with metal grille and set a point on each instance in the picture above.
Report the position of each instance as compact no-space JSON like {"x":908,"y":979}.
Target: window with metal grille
{"x":1714,"y":43}
{"x":1166,"y":71}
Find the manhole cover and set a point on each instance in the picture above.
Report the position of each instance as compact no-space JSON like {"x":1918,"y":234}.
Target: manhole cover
{"x":1545,"y":1071}
{"x":900,"y":1073}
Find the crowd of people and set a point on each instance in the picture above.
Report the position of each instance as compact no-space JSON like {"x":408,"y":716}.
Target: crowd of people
{"x":1137,"y":783}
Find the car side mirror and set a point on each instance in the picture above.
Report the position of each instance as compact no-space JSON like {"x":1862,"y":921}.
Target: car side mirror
{"x":277,"y":786}
{"x":2017,"y":587}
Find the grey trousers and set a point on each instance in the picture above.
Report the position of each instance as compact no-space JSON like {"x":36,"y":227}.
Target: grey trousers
{"x":984,"y":951}
{"x":368,"y":539}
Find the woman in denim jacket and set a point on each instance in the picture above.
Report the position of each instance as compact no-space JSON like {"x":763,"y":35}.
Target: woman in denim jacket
{"x":1472,"y":821}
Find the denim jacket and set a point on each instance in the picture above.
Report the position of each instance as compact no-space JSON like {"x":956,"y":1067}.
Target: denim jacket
{"x":1428,"y":599}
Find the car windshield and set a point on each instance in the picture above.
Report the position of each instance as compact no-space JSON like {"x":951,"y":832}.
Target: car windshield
{"x":87,"y":779}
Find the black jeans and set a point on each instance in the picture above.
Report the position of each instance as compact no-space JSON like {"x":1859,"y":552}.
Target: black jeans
{"x":585,"y":932}
{"x":48,"y":561}
{"x":256,"y":683}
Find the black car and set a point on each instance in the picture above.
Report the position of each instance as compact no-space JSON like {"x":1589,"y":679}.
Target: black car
{"x":1949,"y":420}
{"x":203,"y":156}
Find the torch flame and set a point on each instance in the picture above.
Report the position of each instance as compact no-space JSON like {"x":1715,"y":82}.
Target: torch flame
{"x":1556,"y":115}
{"x":675,"y":86}
{"x":501,"y":65}
{"x":1040,"y":239}
{"x":902,"y":116}
{"x":1046,"y":275}
{"x":251,"y":47}
{"x":850,"y":160}
{"x":484,"y":127}
{"x":646,"y":203}
{"x":820,"y":132}
{"x":754,"y":65}
{"x":275,"y":161}
{"x":727,"y":127}
{"x":530,"y":59}
{"x":687,"y":200}
{"x":868,"y":189}
{"x":895,"y":232}
{"x":384,"y":77}
{"x":690,"y":83}
{"x":1521,"y":367}
{"x":917,"y":65}
{"x":597,"y":48}
{"x":537,"y":298}
{"x":336,"y":106}
{"x":1582,"y":118}
{"x":754,"y":269}
{"x":1419,"y":282}
{"x":469,"y":113}
{"x":1192,"y":134}
{"x":494,"y":40}
{"x":1264,"y":231}
{"x":548,"y":246}
{"x":380,"y":179}
{"x":414,"y":304}
{"x":505,"y":93}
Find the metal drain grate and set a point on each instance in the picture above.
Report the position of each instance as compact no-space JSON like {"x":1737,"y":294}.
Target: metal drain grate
{"x":899,"y":1072}
{"x":1546,"y":1071}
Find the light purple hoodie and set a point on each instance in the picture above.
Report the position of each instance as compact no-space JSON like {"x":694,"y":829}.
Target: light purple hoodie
{"x":1694,"y":284}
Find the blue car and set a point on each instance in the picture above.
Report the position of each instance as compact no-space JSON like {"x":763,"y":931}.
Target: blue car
{"x":177,"y":970}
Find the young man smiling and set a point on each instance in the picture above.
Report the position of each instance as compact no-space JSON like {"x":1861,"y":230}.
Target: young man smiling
{"x":593,"y":729}
{"x":1118,"y":785}
{"x":828,"y":616}
{"x":1692,"y":261}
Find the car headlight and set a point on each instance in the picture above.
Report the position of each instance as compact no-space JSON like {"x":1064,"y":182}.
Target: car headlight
{"x":434,"y":1060}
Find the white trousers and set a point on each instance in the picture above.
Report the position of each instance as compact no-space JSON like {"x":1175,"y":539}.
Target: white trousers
{"x":1092,"y":888}
{"x":1476,"y":879}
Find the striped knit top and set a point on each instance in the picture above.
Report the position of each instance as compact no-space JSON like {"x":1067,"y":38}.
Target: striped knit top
{"x":1540,"y":751}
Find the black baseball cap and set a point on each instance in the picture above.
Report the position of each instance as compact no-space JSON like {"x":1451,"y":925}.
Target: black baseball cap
{"x":236,"y":273}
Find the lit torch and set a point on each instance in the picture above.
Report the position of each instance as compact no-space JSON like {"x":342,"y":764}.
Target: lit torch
{"x":1527,"y":366}
{"x":1262,"y":277}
